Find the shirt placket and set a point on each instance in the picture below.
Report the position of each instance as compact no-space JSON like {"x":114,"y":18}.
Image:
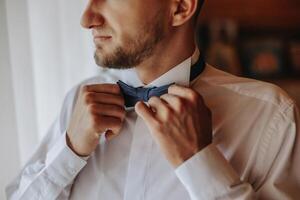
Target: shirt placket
{"x":139,"y":162}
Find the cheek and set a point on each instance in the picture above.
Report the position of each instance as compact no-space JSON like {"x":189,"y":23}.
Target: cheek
{"x":127,"y":35}
{"x":121,"y":14}
{"x":128,"y":19}
{"x":124,"y":29}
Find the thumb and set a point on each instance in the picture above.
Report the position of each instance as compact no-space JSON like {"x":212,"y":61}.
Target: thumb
{"x":109,"y":135}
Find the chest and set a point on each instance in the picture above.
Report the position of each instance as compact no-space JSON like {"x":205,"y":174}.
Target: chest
{"x":128,"y":167}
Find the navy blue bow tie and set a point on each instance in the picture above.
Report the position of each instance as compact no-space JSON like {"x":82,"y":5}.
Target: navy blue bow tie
{"x":132,"y":95}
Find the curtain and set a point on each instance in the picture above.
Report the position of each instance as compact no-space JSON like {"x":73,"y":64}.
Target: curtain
{"x":44,"y":52}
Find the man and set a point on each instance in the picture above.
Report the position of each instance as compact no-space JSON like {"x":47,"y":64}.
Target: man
{"x":210,"y":135}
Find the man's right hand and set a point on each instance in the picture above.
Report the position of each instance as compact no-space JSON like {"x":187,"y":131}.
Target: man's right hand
{"x":99,"y":109}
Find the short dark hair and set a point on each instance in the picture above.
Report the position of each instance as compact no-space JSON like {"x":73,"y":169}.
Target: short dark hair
{"x":200,"y":4}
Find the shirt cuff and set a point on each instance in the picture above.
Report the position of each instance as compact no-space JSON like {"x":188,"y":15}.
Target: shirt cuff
{"x":62,"y":164}
{"x":207,"y":174}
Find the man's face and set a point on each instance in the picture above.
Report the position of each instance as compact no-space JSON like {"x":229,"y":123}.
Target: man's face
{"x":125,"y":32}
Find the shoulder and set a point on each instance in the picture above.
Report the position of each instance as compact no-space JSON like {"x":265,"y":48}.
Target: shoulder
{"x":246,"y":88}
{"x":258,"y":115}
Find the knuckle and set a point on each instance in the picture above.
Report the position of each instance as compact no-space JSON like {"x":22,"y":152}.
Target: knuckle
{"x":178,"y":101}
{"x":115,"y":88}
{"x":164,"y":95}
{"x":169,"y":113}
{"x":153,"y":99}
{"x":84,"y":88}
{"x":194,"y":96}
{"x":123,"y":114}
{"x":172,"y":88}
{"x":88,"y":97}
{"x":92,"y":108}
{"x":180,"y":104}
{"x":121,"y":100}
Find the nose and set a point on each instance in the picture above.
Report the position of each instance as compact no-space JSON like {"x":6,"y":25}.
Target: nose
{"x":92,"y":16}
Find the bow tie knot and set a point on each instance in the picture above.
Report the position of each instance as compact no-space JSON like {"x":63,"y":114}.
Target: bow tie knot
{"x":143,"y":93}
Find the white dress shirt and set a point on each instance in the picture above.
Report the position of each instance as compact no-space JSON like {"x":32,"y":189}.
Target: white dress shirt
{"x":254,"y":155}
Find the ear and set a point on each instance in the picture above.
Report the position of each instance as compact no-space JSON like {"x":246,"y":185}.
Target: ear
{"x":182,"y":11}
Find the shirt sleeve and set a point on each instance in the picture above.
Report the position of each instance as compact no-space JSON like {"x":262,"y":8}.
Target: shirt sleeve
{"x":208,"y":175}
{"x":53,"y":167}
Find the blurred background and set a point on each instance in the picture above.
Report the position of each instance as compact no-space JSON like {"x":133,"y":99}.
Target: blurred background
{"x":254,"y":39}
{"x":44,"y":52}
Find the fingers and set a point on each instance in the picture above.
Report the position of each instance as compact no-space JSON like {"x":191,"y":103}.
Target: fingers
{"x":108,"y":110}
{"x":94,"y":97}
{"x":157,"y":112}
{"x":103,"y":88}
{"x":145,"y":112}
{"x":175,"y":102}
{"x":105,"y":123}
{"x":160,"y":107}
{"x":105,"y":104}
{"x":185,"y":93}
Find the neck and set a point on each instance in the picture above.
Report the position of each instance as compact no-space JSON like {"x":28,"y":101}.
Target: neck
{"x":166,"y":55}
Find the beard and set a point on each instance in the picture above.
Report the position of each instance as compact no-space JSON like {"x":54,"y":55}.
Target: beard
{"x":135,"y":49}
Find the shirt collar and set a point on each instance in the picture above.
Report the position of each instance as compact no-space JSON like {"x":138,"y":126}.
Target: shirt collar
{"x":180,"y":74}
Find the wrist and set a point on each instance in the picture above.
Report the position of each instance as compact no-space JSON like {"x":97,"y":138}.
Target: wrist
{"x":71,"y":146}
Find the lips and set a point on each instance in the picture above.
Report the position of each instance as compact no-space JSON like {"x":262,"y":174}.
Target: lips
{"x":101,"y":39}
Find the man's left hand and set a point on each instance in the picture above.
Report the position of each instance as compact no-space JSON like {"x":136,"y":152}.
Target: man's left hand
{"x":180,"y":123}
